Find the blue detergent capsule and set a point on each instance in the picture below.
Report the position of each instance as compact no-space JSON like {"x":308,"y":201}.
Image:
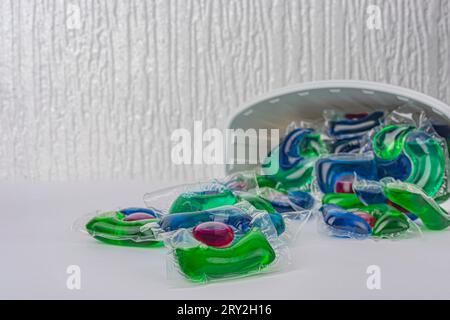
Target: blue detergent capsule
{"x":294,"y":159}
{"x":130,"y":211}
{"x":345,"y":127}
{"x":291,"y":154}
{"x":399,"y":168}
{"x":343,"y":167}
{"x":278,"y":222}
{"x":301,"y":200}
{"x":292,"y":202}
{"x":281,"y":206}
{"x":347,"y":145}
{"x":232,"y":216}
{"x":345,"y":224}
{"x":369,"y":192}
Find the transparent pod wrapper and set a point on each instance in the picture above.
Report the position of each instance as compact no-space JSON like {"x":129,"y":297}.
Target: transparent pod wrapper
{"x":413,"y":199}
{"x":365,"y":212}
{"x":375,"y":222}
{"x":350,"y":132}
{"x":306,"y":142}
{"x":185,"y":206}
{"x":404,"y":147}
{"x":290,"y":165}
{"x":288,"y":211}
{"x":296,"y":208}
{"x":121,"y":227}
{"x":241,"y":181}
{"x":256,"y":250}
{"x":189,"y":197}
{"x":202,"y":195}
{"x":409,"y":149}
{"x":386,"y":209}
{"x":238,"y":217}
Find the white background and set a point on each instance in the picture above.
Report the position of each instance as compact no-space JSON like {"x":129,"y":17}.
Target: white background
{"x":91,"y":90}
{"x":94,"y":93}
{"x":37,"y":246}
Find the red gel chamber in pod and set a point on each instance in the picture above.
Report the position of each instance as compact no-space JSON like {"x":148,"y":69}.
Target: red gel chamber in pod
{"x":214,"y":234}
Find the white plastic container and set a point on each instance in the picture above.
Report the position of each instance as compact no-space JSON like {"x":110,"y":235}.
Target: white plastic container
{"x":308,"y":101}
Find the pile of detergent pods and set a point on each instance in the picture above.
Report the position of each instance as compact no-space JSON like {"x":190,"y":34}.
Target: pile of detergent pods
{"x":213,"y":230}
{"x":367,"y":175}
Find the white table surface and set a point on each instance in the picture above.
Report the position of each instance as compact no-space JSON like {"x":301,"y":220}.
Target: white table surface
{"x":37,"y":245}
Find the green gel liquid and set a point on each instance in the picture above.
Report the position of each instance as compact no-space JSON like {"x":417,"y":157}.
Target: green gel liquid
{"x":390,"y":225}
{"x":266,"y":182}
{"x":193,"y":202}
{"x":250,"y":254}
{"x":428,"y":165}
{"x":413,"y":199}
{"x":443,"y":198}
{"x":379,"y":210}
{"x":258,"y":202}
{"x":312,"y":146}
{"x":110,"y":228}
{"x":390,"y":222}
{"x":426,"y":155}
{"x":301,"y":175}
{"x":388,"y":142}
{"x":343,"y":200}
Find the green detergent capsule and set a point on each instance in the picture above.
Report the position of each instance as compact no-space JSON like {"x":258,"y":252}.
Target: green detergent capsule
{"x":258,"y":202}
{"x":111,"y":228}
{"x":428,"y":162}
{"x":390,"y":224}
{"x":265,"y":182}
{"x":251,"y":253}
{"x":343,"y":200}
{"x":389,"y":221}
{"x":379,"y":210}
{"x":413,"y":199}
{"x":294,"y":159}
{"x":203,"y":200}
{"x":424,"y":152}
{"x":388,"y":142}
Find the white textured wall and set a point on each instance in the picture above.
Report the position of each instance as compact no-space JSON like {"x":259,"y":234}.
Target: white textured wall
{"x":100,"y":101}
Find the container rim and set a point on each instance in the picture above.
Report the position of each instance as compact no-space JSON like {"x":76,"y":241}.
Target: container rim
{"x":437,"y":105}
